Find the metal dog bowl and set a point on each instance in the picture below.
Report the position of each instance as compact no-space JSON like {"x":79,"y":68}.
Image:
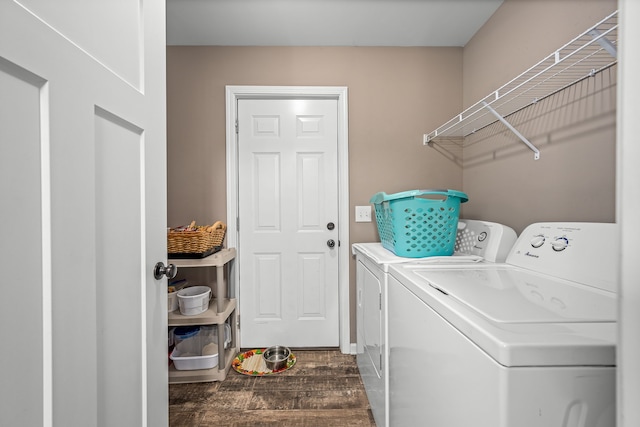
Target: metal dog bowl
{"x":276,"y":357}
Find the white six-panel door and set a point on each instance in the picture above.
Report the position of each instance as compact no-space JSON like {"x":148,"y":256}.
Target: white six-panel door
{"x":288,"y":196}
{"x":82,"y":179}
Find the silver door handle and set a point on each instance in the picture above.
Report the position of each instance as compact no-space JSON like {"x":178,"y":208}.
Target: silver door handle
{"x":160,"y":270}
{"x":331,"y":243}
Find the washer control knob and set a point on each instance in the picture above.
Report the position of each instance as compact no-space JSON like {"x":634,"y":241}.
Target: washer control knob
{"x":537,"y":241}
{"x":560,"y":244}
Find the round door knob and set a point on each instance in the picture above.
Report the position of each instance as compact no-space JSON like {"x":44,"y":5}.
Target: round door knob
{"x":331,"y":243}
{"x":160,"y":270}
{"x":331,"y":226}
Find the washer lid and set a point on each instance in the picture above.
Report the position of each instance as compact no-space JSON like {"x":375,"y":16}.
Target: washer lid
{"x":504,"y":294}
{"x":518,"y":317}
{"x":384,"y":257}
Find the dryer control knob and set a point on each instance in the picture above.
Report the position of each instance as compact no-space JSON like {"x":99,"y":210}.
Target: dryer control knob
{"x":560,"y":244}
{"x":537,"y":241}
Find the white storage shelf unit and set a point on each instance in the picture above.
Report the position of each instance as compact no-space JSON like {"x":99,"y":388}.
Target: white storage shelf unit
{"x":221,"y":310}
{"x":583,"y":57}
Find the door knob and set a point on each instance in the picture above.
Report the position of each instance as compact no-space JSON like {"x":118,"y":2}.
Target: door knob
{"x":160,"y":270}
{"x":331,"y":226}
{"x":331,"y":243}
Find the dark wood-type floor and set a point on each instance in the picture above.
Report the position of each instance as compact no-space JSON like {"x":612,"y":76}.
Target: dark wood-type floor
{"x":323,"y":388}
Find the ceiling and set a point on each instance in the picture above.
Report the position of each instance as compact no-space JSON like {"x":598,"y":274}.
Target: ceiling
{"x":326,"y":22}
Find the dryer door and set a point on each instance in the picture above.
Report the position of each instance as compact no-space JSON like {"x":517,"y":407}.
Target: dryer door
{"x":371,"y":280}
{"x":369,"y":319}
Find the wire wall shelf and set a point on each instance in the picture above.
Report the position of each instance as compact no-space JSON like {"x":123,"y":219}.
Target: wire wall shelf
{"x":583,"y":57}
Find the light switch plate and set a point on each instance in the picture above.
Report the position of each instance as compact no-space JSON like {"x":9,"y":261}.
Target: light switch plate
{"x":363,"y":213}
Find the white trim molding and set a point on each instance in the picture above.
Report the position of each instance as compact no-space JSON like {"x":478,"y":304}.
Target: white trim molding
{"x":233,"y":94}
{"x":627,"y":212}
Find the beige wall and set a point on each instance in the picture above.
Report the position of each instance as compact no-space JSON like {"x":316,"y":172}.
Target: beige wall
{"x":574,"y":180}
{"x":395,"y":96}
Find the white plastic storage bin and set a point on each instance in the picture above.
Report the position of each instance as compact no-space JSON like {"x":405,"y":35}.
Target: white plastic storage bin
{"x":189,"y":361}
{"x":172,"y":297}
{"x":195,"y":348}
{"x":172,"y":301}
{"x":194,"y":300}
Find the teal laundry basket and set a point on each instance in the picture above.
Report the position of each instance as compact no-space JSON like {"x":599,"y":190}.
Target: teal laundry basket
{"x":418,"y":223}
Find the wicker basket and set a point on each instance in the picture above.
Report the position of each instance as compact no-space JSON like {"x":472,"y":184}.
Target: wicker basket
{"x":198,"y":243}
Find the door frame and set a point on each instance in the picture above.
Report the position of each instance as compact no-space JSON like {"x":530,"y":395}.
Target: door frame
{"x":232,"y":95}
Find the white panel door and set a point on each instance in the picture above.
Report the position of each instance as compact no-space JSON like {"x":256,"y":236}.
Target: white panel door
{"x":82,"y":177}
{"x":288,"y":217}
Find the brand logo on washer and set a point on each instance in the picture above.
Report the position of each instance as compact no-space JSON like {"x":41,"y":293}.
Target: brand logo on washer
{"x":532,"y":255}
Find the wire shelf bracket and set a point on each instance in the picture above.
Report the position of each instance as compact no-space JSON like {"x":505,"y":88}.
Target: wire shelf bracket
{"x":536,"y":152}
{"x":586,"y":55}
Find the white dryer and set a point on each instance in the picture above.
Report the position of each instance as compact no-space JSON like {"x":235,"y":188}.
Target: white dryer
{"x":476,"y":242}
{"x":526,"y":343}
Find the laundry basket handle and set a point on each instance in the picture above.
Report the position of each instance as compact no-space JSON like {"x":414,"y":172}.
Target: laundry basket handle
{"x":382,"y":196}
{"x":449,"y":193}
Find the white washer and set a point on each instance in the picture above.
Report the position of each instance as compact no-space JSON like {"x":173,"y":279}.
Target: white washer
{"x":526,"y":343}
{"x":477,"y":242}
